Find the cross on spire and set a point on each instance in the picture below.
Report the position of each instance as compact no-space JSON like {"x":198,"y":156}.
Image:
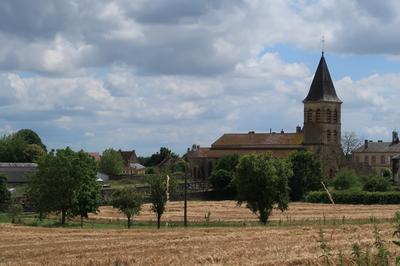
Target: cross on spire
{"x":323,"y":44}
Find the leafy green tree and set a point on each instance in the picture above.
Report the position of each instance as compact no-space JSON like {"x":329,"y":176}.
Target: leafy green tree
{"x":5,"y":195}
{"x":33,"y":152}
{"x":14,"y":211}
{"x":307,"y":174}
{"x":157,"y":157}
{"x":377,"y":183}
{"x":58,"y":182}
{"x":12,"y":149}
{"x":222,"y":176}
{"x":128,"y":201}
{"x":261,"y":182}
{"x":346,"y":178}
{"x":111,"y":162}
{"x":228,"y":162}
{"x":31,"y":137}
{"x":158,"y":195}
{"x":221,"y":179}
{"x":20,"y":147}
{"x":87,"y":196}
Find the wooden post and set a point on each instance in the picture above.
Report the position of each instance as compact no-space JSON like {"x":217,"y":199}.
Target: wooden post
{"x":185,"y":223}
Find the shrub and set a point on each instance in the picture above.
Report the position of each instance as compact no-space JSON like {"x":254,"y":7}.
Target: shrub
{"x":376,"y":183}
{"x":221,"y":179}
{"x":345,"y":179}
{"x":355,"y":197}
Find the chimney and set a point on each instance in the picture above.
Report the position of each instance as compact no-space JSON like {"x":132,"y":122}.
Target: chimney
{"x":366,"y":144}
{"x":395,"y":137}
{"x":298,"y":129}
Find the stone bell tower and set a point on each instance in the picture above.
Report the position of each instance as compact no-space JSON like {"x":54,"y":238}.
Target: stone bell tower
{"x":322,"y":110}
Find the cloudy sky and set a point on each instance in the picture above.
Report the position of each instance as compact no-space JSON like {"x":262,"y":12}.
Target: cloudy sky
{"x":93,"y":74}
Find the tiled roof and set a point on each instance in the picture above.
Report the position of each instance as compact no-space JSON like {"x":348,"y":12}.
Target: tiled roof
{"x":380,"y":147}
{"x":127,"y":156}
{"x":258,"y":140}
{"x":215,"y":153}
{"x":95,"y":155}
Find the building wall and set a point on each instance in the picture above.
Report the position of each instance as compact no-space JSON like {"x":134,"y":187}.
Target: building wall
{"x":377,"y":160}
{"x":322,"y":123}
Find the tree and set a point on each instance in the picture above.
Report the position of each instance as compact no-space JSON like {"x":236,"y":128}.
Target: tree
{"x":307,"y":174}
{"x":158,"y":195}
{"x":14,"y":211}
{"x":220,"y":179}
{"x":87,"y":196}
{"x":33,"y":152}
{"x":128,"y":201}
{"x":111,"y":162}
{"x":346,"y":178}
{"x":222,"y":176}
{"x":5,"y":195}
{"x":31,"y":137}
{"x":261,"y":182}
{"x":18,"y":148}
{"x":59,"y":180}
{"x":157,"y":157}
{"x":376,"y":183}
{"x":350,"y":142}
{"x":228,"y":162}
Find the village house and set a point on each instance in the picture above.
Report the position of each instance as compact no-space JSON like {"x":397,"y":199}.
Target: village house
{"x":321,"y":133}
{"x":378,"y":154}
{"x":131,"y":163}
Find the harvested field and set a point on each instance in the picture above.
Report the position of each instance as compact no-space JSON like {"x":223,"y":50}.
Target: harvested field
{"x":228,"y":211}
{"x":178,"y":246}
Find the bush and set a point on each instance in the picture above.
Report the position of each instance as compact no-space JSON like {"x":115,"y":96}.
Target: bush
{"x":345,"y":179}
{"x":355,"y":197}
{"x":221,"y":179}
{"x":376,"y":183}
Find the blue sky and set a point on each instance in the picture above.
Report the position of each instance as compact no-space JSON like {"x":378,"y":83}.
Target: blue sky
{"x":94,"y":74}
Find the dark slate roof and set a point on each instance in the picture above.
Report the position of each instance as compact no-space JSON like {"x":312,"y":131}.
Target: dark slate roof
{"x":380,"y":147}
{"x":322,"y":88}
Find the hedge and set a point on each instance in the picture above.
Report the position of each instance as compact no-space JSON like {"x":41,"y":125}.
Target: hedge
{"x":355,"y":197}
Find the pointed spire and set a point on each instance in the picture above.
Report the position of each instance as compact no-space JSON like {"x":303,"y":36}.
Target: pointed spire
{"x":322,"y":88}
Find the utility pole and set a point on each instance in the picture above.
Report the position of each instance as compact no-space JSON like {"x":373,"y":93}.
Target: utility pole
{"x":185,"y":222}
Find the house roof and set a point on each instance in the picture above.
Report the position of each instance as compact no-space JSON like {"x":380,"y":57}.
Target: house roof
{"x":95,"y":155}
{"x":211,"y":153}
{"x":258,"y":140}
{"x":322,"y":88}
{"x":128,"y":157}
{"x":17,"y":172}
{"x":388,"y":147}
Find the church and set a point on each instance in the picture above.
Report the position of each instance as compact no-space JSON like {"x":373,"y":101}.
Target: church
{"x":321,"y":133}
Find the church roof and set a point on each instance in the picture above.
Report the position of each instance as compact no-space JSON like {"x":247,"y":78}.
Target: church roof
{"x":322,"y":88}
{"x":258,"y":140}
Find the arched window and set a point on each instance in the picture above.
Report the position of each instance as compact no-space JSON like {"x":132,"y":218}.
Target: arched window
{"x":328,"y":135}
{"x":329,"y":116}
{"x":309,"y":115}
{"x":318,"y":115}
{"x":335,"y":136}
{"x":335,"y":116}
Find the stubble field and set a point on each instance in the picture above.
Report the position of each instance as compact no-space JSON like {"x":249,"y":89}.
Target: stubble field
{"x":297,"y":245}
{"x":228,"y":245}
{"x":228,"y":211}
